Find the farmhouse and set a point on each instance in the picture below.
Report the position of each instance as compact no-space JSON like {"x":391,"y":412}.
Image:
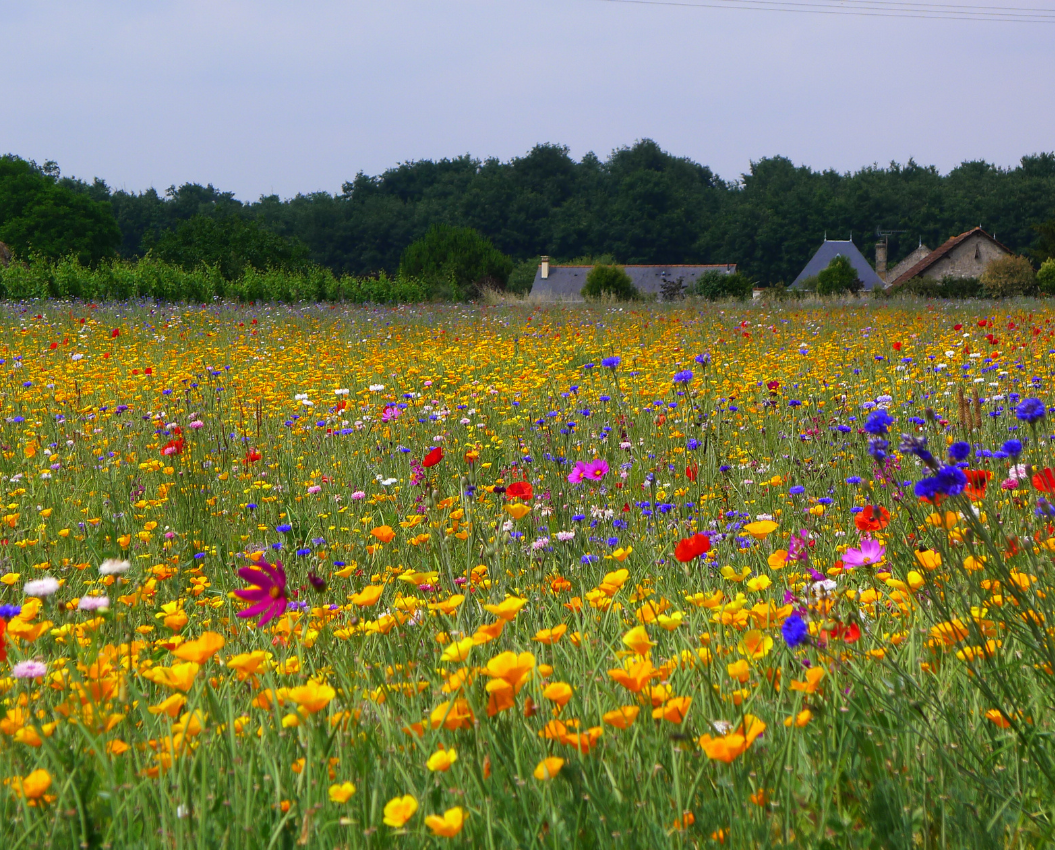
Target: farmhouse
{"x":565,"y":283}
{"x":829,"y":250}
{"x":902,"y":267}
{"x":966,"y":255}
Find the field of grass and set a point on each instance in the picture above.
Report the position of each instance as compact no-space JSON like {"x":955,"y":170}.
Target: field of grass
{"x":526,"y":577}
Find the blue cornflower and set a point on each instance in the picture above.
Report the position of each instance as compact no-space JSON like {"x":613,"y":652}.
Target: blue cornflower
{"x":285,"y":528}
{"x":959,"y":451}
{"x":797,"y":490}
{"x":9,"y":611}
{"x":1030,"y":410}
{"x":682,"y":377}
{"x":795,"y":630}
{"x":1013,"y":448}
{"x":877,"y":449}
{"x":878,"y":422}
{"x":611,"y":362}
{"x":303,"y":552}
{"x":853,"y":480}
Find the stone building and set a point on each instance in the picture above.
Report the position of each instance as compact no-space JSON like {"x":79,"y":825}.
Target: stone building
{"x":565,"y":283}
{"x":966,"y":255}
{"x":902,"y":267}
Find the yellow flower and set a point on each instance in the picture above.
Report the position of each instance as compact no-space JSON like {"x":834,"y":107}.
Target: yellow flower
{"x":558,"y":692}
{"x":548,"y":768}
{"x":754,"y":644}
{"x":384,"y":533}
{"x":367,"y":597}
{"x":341,"y":793}
{"x":759,"y":583}
{"x":518,"y":510}
{"x":449,"y":825}
{"x":399,"y":810}
{"x":441,"y":760}
{"x":312,"y":697}
{"x":620,"y":554}
{"x":459,"y":651}
{"x":620,"y":718}
{"x":550,"y":635}
{"x":507,"y":609}
{"x":637,"y":641}
{"x":762,"y":529}
{"x":201,"y":650}
{"x":34,"y":786}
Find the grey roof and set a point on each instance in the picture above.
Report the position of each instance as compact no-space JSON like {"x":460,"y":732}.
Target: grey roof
{"x":828,"y":251}
{"x":565,"y":282}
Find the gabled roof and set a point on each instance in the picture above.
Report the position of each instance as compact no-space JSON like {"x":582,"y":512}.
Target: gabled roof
{"x":921,"y":267}
{"x":829,"y":250}
{"x":566,"y":282}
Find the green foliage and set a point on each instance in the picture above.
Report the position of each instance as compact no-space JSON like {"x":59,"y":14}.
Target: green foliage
{"x":153,"y":278}
{"x":229,"y":244}
{"x":610,"y":282}
{"x":1044,"y":248}
{"x":715,"y":285}
{"x":1046,"y":277}
{"x":456,"y":262}
{"x":39,"y":216}
{"x":837,"y":277}
{"x":522,"y":278}
{"x":947,"y":287}
{"x":1007,"y":277}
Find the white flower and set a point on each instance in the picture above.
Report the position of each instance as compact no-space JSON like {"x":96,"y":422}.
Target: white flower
{"x":76,"y":357}
{"x":29,"y":670}
{"x":565,"y":536}
{"x":722,"y":727}
{"x":41,"y":587}
{"x":113,"y":567}
{"x":376,"y":388}
{"x":388,"y":482}
{"x":541,"y":543}
{"x":93,"y":603}
{"x":341,"y":391}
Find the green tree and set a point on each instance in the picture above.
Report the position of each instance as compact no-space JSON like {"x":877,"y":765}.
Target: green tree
{"x":610,"y":281}
{"x":230,"y":244}
{"x":456,"y":262}
{"x":837,"y":277}
{"x":1044,"y":248}
{"x":715,"y":285}
{"x":39,"y":216}
{"x":1046,"y":276}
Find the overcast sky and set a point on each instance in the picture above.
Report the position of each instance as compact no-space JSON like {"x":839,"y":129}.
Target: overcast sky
{"x":286,"y":97}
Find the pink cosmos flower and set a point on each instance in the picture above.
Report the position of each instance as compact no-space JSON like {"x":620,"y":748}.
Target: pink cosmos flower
{"x":268,"y":594}
{"x":869,"y":553}
{"x":578,"y":473}
{"x":596,"y":469}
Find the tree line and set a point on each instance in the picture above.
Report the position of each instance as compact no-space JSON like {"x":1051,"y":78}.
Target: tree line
{"x":640,"y":205}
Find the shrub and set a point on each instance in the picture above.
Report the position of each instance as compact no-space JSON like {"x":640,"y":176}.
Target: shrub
{"x":522,"y":278}
{"x":610,"y":281}
{"x":1046,"y":277}
{"x":947,"y":287}
{"x":838,"y":277}
{"x":455,"y":262}
{"x":1008,"y":277}
{"x":715,"y":285}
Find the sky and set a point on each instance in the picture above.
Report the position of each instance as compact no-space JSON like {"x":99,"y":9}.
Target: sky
{"x":269,"y":97}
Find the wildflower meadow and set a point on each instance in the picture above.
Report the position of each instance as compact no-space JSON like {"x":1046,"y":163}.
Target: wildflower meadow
{"x":337,"y":576}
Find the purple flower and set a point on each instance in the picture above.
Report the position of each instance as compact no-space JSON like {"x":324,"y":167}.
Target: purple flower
{"x":596,"y":469}
{"x":878,"y":422}
{"x":268,"y":593}
{"x":682,"y":377}
{"x":1030,"y":410}
{"x":29,"y":670}
{"x":611,"y":362}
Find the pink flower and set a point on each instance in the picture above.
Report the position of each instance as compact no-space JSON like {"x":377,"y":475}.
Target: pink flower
{"x":315,"y":488}
{"x":391,"y":412}
{"x":268,"y":594}
{"x":869,"y":553}
{"x":29,"y":670}
{"x":358,"y":495}
{"x":596,"y":469}
{"x":578,"y":473}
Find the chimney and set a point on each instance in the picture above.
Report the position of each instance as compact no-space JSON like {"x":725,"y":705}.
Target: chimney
{"x":545,"y":268}
{"x":881,"y":247}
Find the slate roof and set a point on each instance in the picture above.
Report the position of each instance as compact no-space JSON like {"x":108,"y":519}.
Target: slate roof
{"x":920,"y":269}
{"x":565,"y":283}
{"x":828,"y":251}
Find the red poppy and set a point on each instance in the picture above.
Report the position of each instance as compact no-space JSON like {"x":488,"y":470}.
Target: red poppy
{"x":690,"y":548}
{"x":872,"y":518}
{"x":976,"y":482}
{"x":519,"y":490}
{"x":773,"y":386}
{"x":433,"y":457}
{"x":849,"y":634}
{"x":115,"y":333}
{"x":3,"y":646}
{"x":1044,"y":480}
{"x":252,"y":456}
{"x":897,"y":346}
{"x":692,"y":471}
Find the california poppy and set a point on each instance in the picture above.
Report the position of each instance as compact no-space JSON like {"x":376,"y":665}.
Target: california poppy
{"x":690,"y":548}
{"x":872,"y":518}
{"x":433,"y":457}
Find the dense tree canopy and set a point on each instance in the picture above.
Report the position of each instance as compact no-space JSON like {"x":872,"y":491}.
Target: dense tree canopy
{"x":640,"y":205}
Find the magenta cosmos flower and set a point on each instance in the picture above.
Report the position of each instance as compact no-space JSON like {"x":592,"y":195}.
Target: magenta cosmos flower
{"x":869,"y":553}
{"x":595,"y":470}
{"x":268,"y":594}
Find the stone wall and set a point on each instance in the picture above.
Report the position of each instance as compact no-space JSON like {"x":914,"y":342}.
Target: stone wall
{"x":968,"y":259}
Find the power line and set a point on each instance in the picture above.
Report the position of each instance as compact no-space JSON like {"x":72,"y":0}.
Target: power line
{"x":868,"y":8}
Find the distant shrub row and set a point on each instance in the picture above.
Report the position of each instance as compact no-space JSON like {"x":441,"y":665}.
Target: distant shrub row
{"x":151,"y":278}
{"x":612,"y":281}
